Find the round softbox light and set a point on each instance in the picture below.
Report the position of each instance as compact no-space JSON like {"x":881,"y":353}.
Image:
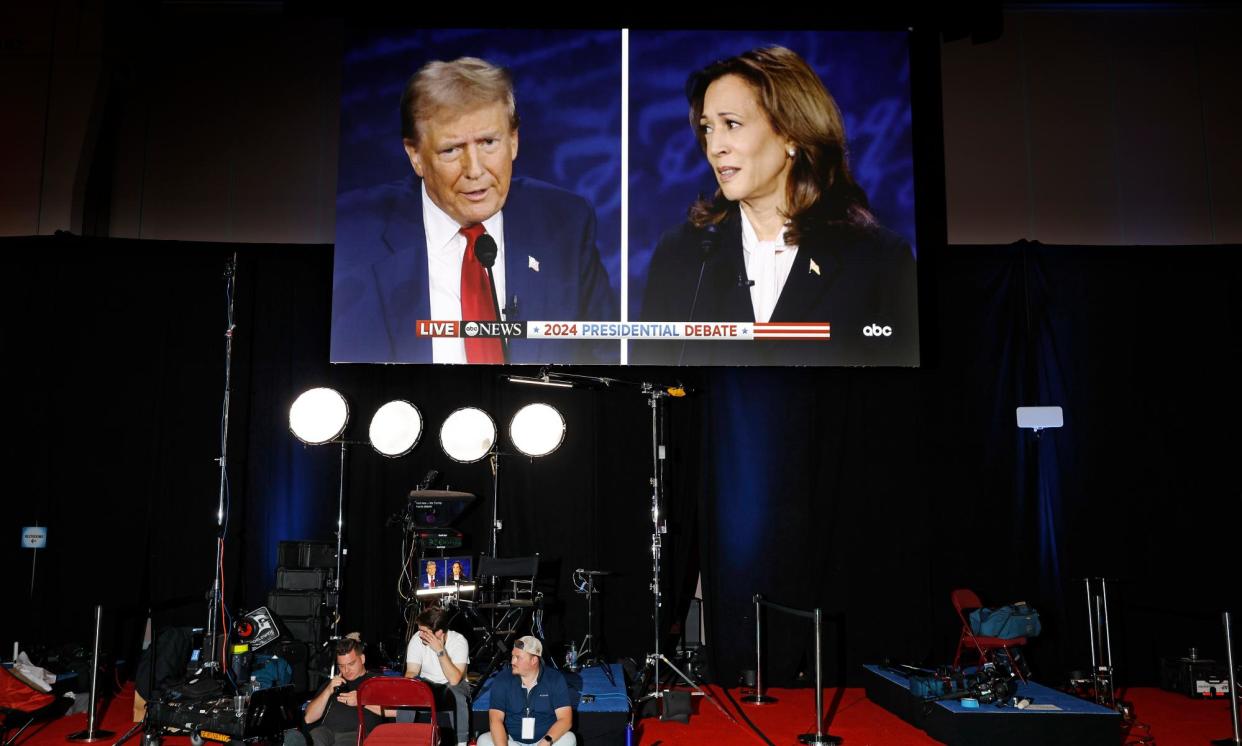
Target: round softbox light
{"x":318,"y":416}
{"x":537,"y":429}
{"x":467,"y":435}
{"x":396,"y":428}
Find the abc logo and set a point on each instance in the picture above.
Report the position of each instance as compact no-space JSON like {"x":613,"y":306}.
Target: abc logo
{"x":471,"y":329}
{"x":875,"y":330}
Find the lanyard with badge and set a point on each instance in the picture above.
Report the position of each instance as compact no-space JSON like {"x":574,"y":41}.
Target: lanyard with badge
{"x":528,"y":719}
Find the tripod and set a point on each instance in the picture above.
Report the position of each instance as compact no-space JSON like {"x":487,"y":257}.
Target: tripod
{"x":584,"y":583}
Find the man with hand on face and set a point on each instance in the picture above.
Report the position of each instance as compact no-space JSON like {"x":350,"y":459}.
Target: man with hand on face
{"x":418,"y":249}
{"x":531,"y":705}
{"x":440,"y":657}
{"x":333,"y":715}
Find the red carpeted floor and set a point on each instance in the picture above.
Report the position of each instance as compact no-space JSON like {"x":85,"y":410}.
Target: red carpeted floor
{"x":857,"y":720}
{"x":1175,"y":721}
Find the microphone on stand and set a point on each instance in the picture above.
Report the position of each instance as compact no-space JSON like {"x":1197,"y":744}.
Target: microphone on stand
{"x":485,"y":250}
{"x":706,"y":246}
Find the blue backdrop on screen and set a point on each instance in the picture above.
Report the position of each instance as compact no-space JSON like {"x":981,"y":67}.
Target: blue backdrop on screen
{"x":567,"y":85}
{"x":866,"y":72}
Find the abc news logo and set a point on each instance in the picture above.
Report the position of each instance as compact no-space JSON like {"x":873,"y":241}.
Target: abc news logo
{"x":875,"y":330}
{"x":483,"y":329}
{"x":493,"y":329}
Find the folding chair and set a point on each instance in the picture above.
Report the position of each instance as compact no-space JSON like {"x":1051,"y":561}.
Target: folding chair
{"x":513,"y":597}
{"x":511,"y":591}
{"x":965,"y":601}
{"x":519,"y":571}
{"x":21,"y":705}
{"x":397,"y":691}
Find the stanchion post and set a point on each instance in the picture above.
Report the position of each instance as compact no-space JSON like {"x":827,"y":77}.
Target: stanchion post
{"x":819,"y":677}
{"x":90,"y":734}
{"x":758,"y":698}
{"x":1233,"y":686}
{"x":819,"y":736}
{"x":1091,"y":627}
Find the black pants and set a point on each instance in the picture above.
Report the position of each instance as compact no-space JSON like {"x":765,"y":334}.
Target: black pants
{"x":321,"y":736}
{"x":454,"y":699}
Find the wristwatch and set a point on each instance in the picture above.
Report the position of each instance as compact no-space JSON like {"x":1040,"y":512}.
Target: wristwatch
{"x":548,"y":738}
{"x":439,"y":653}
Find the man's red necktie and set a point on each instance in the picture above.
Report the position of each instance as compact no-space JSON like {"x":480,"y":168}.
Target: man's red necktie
{"x":476,"y":301}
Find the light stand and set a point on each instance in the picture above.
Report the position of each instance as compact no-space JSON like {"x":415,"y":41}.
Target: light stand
{"x":1103,"y":676}
{"x":655,"y":394}
{"x":214,"y":601}
{"x":317,"y":417}
{"x":335,"y":598}
{"x":334,"y":594}
{"x":494,"y":460}
{"x":659,"y":527}
{"x":1101,"y":636}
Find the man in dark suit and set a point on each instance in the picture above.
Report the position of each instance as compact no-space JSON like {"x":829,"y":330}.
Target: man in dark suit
{"x":406,"y":251}
{"x":429,"y":576}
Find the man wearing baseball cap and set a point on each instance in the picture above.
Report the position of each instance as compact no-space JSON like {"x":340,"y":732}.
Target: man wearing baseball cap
{"x":531,"y":705}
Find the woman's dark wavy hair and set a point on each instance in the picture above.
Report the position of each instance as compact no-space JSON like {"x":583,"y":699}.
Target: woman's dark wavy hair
{"x":820,"y":194}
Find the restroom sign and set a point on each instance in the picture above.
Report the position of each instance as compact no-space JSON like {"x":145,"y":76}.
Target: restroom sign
{"x":34,"y":537}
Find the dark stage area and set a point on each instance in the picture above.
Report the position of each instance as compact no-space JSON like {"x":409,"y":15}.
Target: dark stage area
{"x":869,"y":493}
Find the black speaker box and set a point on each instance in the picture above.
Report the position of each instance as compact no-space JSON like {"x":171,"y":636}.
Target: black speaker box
{"x":295,"y":603}
{"x":306,"y":554}
{"x":302,"y":578}
{"x":307,"y":630}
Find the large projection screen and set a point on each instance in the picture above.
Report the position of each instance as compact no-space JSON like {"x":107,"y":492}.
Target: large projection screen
{"x":799,"y":249}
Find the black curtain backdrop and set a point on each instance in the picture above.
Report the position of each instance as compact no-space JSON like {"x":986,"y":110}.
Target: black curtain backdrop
{"x":870,"y":493}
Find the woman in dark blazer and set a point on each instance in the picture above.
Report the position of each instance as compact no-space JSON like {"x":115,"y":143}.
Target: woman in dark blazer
{"x":788,"y":235}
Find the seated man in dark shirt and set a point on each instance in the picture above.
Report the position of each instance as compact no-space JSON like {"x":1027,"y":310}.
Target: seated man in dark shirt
{"x":332,"y":716}
{"x":529,"y":705}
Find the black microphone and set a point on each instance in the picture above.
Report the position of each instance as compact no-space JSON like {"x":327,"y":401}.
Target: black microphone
{"x":485,"y":250}
{"x":706,"y":245}
{"x":742,"y":282}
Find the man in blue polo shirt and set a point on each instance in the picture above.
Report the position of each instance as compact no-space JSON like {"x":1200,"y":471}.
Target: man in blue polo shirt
{"x":532,"y":705}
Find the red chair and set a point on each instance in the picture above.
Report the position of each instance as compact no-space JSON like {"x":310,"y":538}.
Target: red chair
{"x":965,"y":600}
{"x":397,"y":691}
